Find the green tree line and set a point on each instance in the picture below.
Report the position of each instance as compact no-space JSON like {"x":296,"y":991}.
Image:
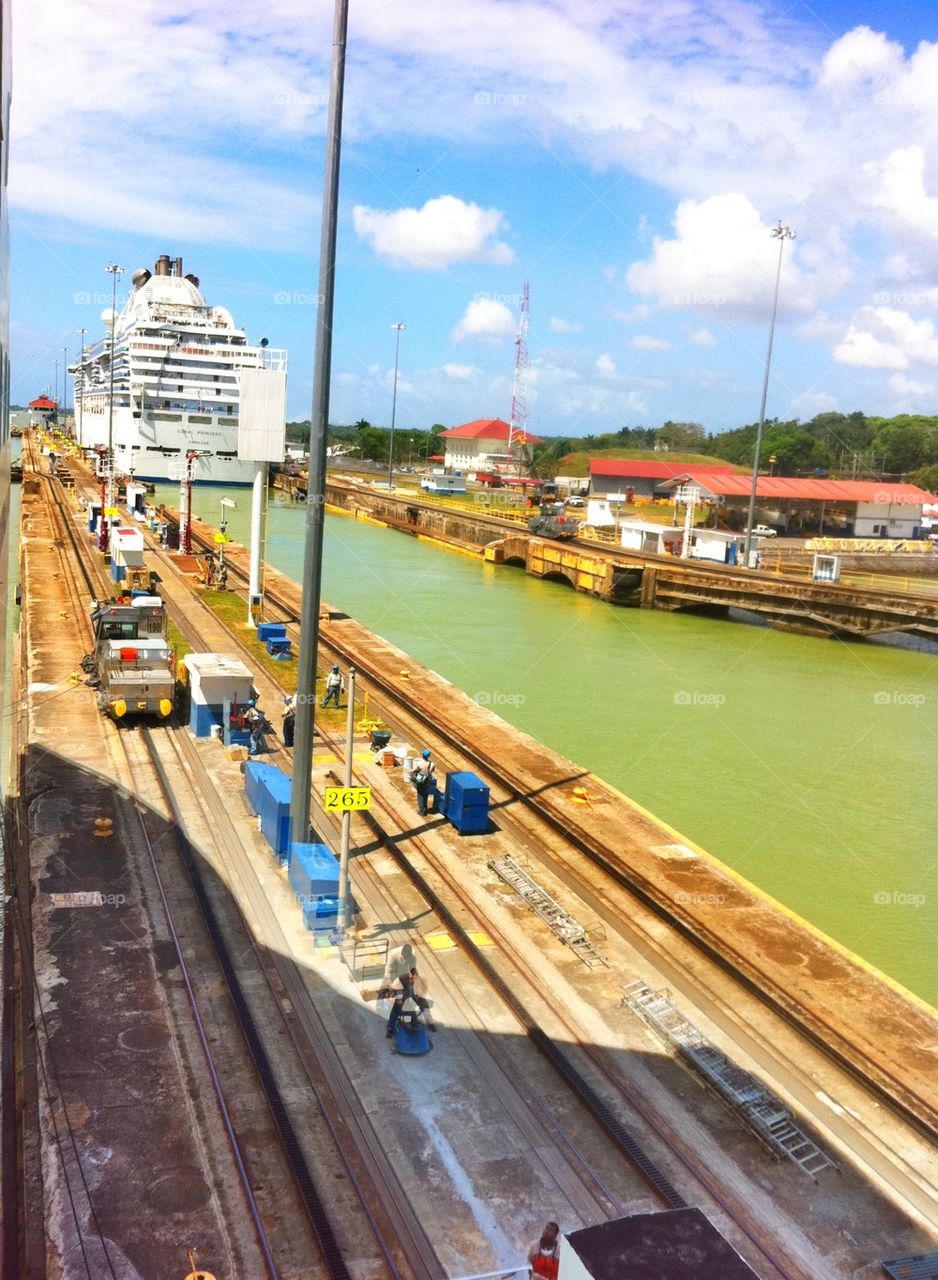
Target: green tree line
{"x":839,"y":444}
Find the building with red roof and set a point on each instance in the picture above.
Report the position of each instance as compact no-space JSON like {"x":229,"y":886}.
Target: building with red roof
{"x":618,"y":475}
{"x":482,"y":445}
{"x":42,"y":404}
{"x":864,"y":508}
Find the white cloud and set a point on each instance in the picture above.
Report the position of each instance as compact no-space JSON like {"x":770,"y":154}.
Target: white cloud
{"x":445,"y":230}
{"x":606,"y":366}
{"x":911,"y":394}
{"x":645,"y":342}
{"x":485,"y":318}
{"x":564,"y":326}
{"x":722,"y":258}
{"x":860,"y":55}
{"x":884,"y":338}
{"x":461,"y":372}
{"x":703,"y":338}
{"x":899,"y":189}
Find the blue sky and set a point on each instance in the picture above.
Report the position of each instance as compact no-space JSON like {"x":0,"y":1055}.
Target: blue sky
{"x":628,"y":161}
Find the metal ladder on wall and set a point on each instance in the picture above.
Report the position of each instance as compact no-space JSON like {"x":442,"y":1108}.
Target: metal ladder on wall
{"x":560,"y":922}
{"x":764,"y":1114}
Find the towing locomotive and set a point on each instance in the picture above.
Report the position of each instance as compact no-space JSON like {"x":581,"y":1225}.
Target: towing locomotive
{"x":553,"y":522}
{"x":132,"y":663}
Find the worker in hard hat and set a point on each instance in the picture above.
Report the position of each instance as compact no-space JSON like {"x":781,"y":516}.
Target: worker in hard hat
{"x":333,"y":686}
{"x":424,"y":780}
{"x":289,"y":719}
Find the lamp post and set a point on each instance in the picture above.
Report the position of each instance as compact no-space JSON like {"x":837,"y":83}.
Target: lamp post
{"x":781,"y":233}
{"x":115,"y":272}
{"x":80,"y":373}
{"x":397,"y":352}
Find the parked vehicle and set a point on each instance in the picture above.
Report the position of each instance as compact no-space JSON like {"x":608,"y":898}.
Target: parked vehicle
{"x":763,"y":531}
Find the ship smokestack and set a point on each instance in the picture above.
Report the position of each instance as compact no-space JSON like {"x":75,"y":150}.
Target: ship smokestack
{"x":179,"y":268}
{"x":162,"y":265}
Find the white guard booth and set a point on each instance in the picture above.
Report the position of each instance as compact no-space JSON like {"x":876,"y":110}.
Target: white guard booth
{"x":645,"y":535}
{"x":126,"y":551}
{"x":215,"y":679}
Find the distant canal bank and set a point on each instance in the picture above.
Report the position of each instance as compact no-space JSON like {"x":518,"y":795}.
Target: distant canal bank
{"x":804,"y":764}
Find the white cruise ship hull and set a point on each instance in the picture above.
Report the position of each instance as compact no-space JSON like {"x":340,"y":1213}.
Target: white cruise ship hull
{"x":174,"y":379}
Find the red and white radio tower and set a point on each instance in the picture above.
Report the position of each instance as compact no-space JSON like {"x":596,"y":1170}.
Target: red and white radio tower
{"x":518,"y":426}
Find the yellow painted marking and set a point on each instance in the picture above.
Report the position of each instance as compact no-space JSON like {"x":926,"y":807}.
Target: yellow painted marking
{"x":325,"y":759}
{"x":478,"y":938}
{"x":440,"y":942}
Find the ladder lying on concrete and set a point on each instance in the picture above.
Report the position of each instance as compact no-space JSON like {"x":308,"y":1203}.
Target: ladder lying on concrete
{"x":764,"y":1114}
{"x":551,"y":912}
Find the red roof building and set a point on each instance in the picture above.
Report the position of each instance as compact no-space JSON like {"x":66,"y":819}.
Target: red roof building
{"x":618,"y":475}
{"x":864,"y":508}
{"x":43,"y":405}
{"x":488,"y":429}
{"x":804,"y":488}
{"x":483,"y":445}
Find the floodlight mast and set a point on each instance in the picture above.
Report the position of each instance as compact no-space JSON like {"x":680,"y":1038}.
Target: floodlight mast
{"x":780,"y":233}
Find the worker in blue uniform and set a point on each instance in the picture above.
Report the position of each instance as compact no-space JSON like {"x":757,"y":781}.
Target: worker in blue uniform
{"x":424,"y":780}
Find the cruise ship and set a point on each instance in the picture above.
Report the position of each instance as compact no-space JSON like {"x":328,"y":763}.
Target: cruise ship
{"x":184,"y":382}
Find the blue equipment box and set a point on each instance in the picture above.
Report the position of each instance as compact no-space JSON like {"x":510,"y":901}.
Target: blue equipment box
{"x":279,"y":648}
{"x":268,"y":793}
{"x":271,"y":631}
{"x":314,"y":872}
{"x":466,"y":803}
{"x":322,"y":914}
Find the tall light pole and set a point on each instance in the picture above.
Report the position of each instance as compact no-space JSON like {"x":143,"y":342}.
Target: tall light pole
{"x":115,"y":272}
{"x":319,"y":429}
{"x":781,"y":233}
{"x":79,"y":400}
{"x":64,"y":384}
{"x":397,"y":353}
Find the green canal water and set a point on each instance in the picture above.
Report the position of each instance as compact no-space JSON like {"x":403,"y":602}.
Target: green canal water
{"x":808,"y":766}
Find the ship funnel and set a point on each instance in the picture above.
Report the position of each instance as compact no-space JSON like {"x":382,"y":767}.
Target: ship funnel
{"x":178,"y":271}
{"x":193,"y":280}
{"x":140,"y":277}
{"x":162,"y":265}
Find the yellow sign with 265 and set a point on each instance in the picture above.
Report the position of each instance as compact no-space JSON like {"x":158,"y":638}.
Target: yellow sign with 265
{"x":346,"y":799}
